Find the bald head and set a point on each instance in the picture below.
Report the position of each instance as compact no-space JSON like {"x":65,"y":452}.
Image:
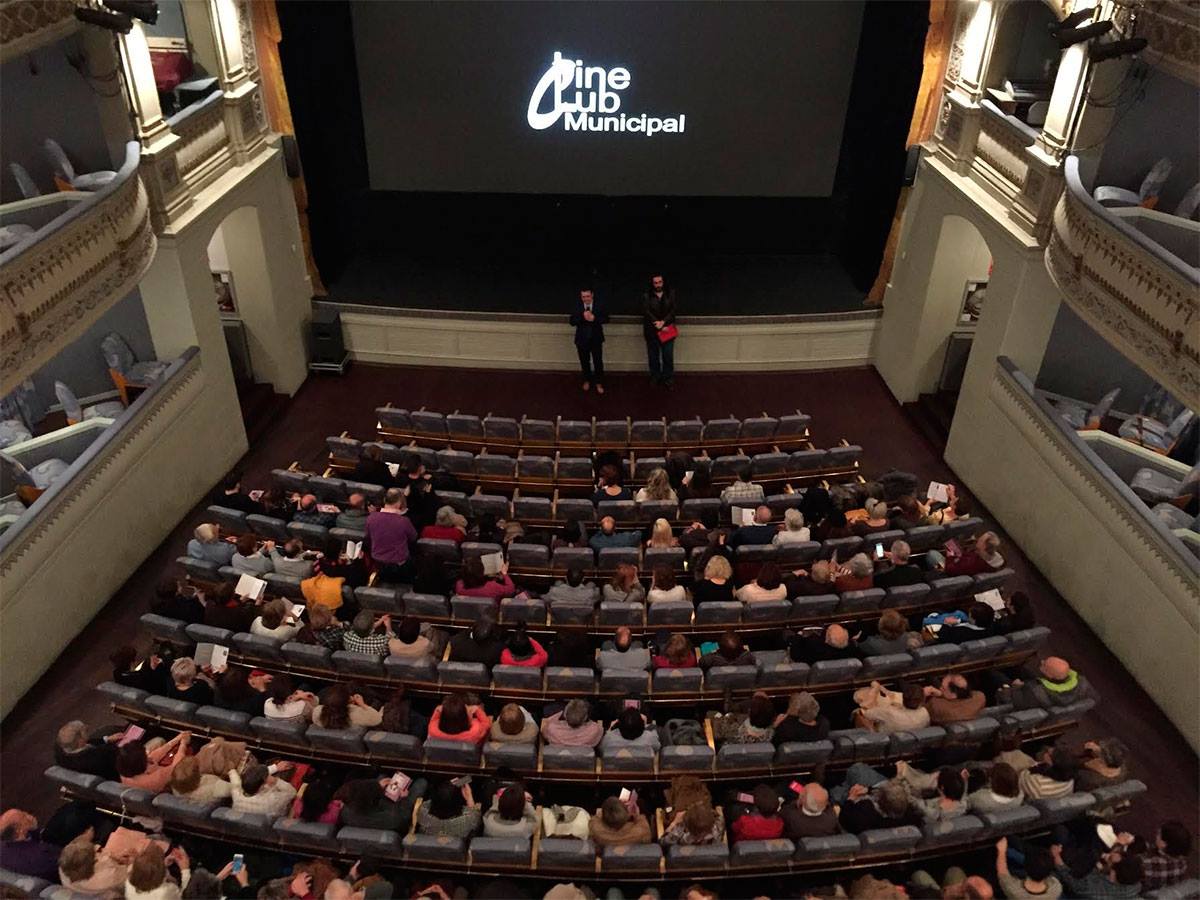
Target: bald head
{"x":816,"y":798}
{"x":1055,"y":668}
{"x":762,"y":515}
{"x":608,"y":524}
{"x":837,"y":636}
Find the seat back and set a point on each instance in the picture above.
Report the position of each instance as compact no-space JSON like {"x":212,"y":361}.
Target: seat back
{"x":572,"y":759}
{"x":627,"y":759}
{"x":686,"y":758}
{"x":668,"y":681}
{"x":435,"y":848}
{"x":669,"y":612}
{"x":462,"y":753}
{"x":513,"y":851}
{"x":720,"y":612}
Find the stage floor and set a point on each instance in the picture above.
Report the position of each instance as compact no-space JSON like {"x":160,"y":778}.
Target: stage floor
{"x":715,"y":286}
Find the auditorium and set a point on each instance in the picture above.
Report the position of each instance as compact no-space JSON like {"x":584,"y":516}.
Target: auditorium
{"x":623,"y":449}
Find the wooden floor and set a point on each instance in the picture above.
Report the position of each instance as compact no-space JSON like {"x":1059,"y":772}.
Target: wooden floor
{"x":850,"y":403}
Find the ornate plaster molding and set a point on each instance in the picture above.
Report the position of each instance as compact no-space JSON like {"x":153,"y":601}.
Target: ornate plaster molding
{"x":28,"y":24}
{"x":1173,"y":29}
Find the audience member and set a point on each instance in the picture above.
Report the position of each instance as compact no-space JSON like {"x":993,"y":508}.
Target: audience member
{"x":572,"y":726}
{"x":888,"y":718}
{"x":661,"y":537}
{"x":892,"y":636}
{"x":482,"y":644}
{"x":1102,"y":763}
{"x":898,"y":571}
{"x":809,"y":814}
{"x":398,"y":716}
{"x":802,"y":722}
{"x":833,"y":526}
{"x":1018,"y":614}
{"x":657,"y":487}
{"x":1167,"y":862}
{"x":623,"y":652}
{"x":522,"y":650}
{"x":78,"y":751}
{"x":677,"y":654}
{"x":390,"y":536}
{"x":189,"y":782}
{"x":1053,"y":776}
{"x":366,"y":805}
{"x":743,"y":492}
{"x":473,"y":582}
{"x":323,"y":628}
{"x":758,"y":725}
{"x":811,"y":646}
{"x":241,"y":689}
{"x":208,"y":545}
{"x":857,"y":575}
{"x":762,"y":822}
{"x":883,"y":806}
{"x":23,"y":849}
{"x":454,"y":720}
{"x":451,"y":811}
{"x":1002,"y":791}
{"x":615,"y":826}
{"x":731,"y":651}
{"x":954,"y":701}
{"x":353,"y":516}
{"x":980,"y":618}
{"x":629,"y":730}
{"x":1039,"y":880}
{"x":573,"y":590}
{"x":231,"y":496}
{"x":293,"y":559}
{"x":767,"y":586}
{"x":624,"y":586}
{"x":717,"y":584}
{"x":448,"y":526}
{"x":187,"y":685}
{"x":514,"y":725}
{"x":981,"y":557}
{"x":276,"y":621}
{"x":663,"y":586}
{"x":950,"y":785}
{"x":368,"y":634}
{"x":1119,"y":881}
{"x":340,"y":708}
{"x":610,"y":486}
{"x":696,"y":825}
{"x":309,"y":512}
{"x":85,"y":867}
{"x":148,"y":878}
{"x":608,"y":536}
{"x":151,"y":771}
{"x":371,"y":468}
{"x":761,"y":532}
{"x":817,"y":581}
{"x":873,"y":519}
{"x":409,"y":643}
{"x":794,"y":530}
{"x":249,"y":559}
{"x":286,"y":702}
{"x":1055,"y":684}
{"x":512,"y":813}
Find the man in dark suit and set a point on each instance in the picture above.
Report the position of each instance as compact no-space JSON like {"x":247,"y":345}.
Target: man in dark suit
{"x":588,"y":318}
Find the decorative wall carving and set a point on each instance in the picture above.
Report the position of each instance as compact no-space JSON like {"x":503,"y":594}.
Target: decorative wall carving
{"x":28,"y":24}
{"x":203,"y":137}
{"x":53,"y":289}
{"x":1137,"y":298}
{"x":1173,"y":29}
{"x":1000,"y":147}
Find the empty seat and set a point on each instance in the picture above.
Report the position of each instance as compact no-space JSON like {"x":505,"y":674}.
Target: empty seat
{"x":729,"y":466}
{"x":574,"y":509}
{"x":676,"y":680}
{"x":745,"y":756}
{"x":435,"y":848}
{"x":462,"y":425}
{"x":756,"y":553}
{"x":834,"y":671}
{"x":122,"y":694}
{"x":719,"y":612}
{"x":989,"y":580}
{"x":912,"y":743}
{"x":884,"y":538}
{"x":925,"y":537}
{"x":180,"y":809}
{"x":522,"y":609}
{"x":428,"y":422}
{"x":697,"y":857}
{"x":1063,"y":809}
{"x":200,"y":569}
{"x":284,"y":731}
{"x":470,"y":674}
{"x":357,"y":663}
{"x":962,"y":529}
{"x":885,"y":664}
{"x":722,"y":429}
{"x":696,"y":509}
{"x":759,"y":427}
{"x":513,"y":851}
{"x":1028,"y":638}
{"x":79,"y":783}
{"x":845,"y":547}
{"x":621,"y":510}
{"x":859,"y":744}
{"x":268,"y":527}
{"x":767,"y":611}
{"x":814,"y":607}
{"x":685,"y":432}
{"x":649,"y":510}
{"x":207,"y":634}
{"x":456,"y":462}
{"x":791,"y":555}
{"x":890,"y":840}
{"x":285,"y":585}
{"x":1024,"y":719}
{"x":624,"y":681}
{"x":289,"y":481}
{"x":573,"y":557}
{"x":471,"y":609}
{"x":171,"y":708}
{"x":844,"y":456}
{"x":569,"y":613}
{"x":230,"y":721}
{"x":618,"y":612}
{"x":719,"y":678}
{"x":770,"y":465}
{"x":519,"y":677}
{"x":831,"y":847}
{"x":425,"y":605}
{"x":328,"y":490}
{"x":526,"y":508}
{"x":644,"y":465}
{"x":573,"y":759}
{"x":566,"y":853}
{"x":648,"y":431}
{"x":574,"y":431}
{"x":1070,"y":712}
{"x":631,"y":856}
{"x":482,"y":504}
{"x":575,"y":468}
{"x":457,"y":501}
{"x":758,"y":853}
{"x":515,"y":756}
{"x":501,"y":428}
{"x":403,"y":668}
{"x":784,"y":673}
{"x":391,"y":417}
{"x":462,"y":753}
{"x":664,"y":556}
{"x":802,"y":461}
{"x":686,"y":758}
{"x":580,"y":680}
{"x":386,"y":746}
{"x":611,"y":432}
{"x":1117,"y":794}
{"x":540,"y":467}
{"x":628,"y":759}
{"x":257,"y":646}
{"x":532,"y":556}
{"x":958,"y":830}
{"x":165,"y":629}
{"x":906,"y":595}
{"x":232,"y":521}
{"x":984,"y":648}
{"x":375,"y":842}
{"x":780,"y":503}
{"x":379,"y":599}
{"x":669,"y":612}
{"x":803,"y":753}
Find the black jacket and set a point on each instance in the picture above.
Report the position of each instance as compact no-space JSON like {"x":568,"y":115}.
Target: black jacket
{"x":588,"y":334}
{"x":656,"y":309}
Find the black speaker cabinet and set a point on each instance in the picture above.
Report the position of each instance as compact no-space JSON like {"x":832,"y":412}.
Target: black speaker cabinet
{"x":327,"y":343}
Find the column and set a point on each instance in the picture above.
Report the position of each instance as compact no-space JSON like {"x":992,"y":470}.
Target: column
{"x":245,"y":117}
{"x":958,"y":124}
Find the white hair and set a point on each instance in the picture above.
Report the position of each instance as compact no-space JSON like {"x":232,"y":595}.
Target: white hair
{"x":793,"y":519}
{"x":860,"y":565}
{"x":206,"y":533}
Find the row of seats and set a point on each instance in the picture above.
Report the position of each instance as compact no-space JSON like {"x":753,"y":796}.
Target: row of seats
{"x":592,"y":434}
{"x":775,"y":669}
{"x":557,"y":854}
{"x":579,"y":471}
{"x":387,"y":749}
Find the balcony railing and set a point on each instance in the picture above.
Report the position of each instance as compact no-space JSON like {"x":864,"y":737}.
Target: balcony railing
{"x":1000,"y":156}
{"x":1173,"y":29}
{"x":55,"y":283}
{"x":1131,"y":289}
{"x":204,"y":139}
{"x":28,"y":24}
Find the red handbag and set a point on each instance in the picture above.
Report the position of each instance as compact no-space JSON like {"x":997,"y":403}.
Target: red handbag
{"x":667,"y":333}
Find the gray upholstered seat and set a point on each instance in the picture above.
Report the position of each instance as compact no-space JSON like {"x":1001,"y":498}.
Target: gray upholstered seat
{"x":1063,"y":809}
{"x":471,"y":609}
{"x":814,"y":607}
{"x":664,"y":556}
{"x":286,"y":731}
{"x":685,"y":431}
{"x":379,"y":599}
{"x":917,"y":741}
{"x":79,"y":783}
{"x":729,"y":465}
{"x":770,"y":465}
{"x":232,"y":521}
{"x":666,"y":681}
{"x":353,"y":663}
{"x":200,"y":569}
{"x":165,"y":629}
{"x":808,"y":460}
{"x":649,"y":510}
{"x":435,"y":848}
{"x":962,"y":529}
{"x":568,"y":613}
{"x":611,"y":432}
{"x":1117,"y":794}
{"x":464,"y":673}
{"x":722,"y":429}
{"x":424,"y":605}
{"x":180,"y":809}
{"x":628,"y":759}
{"x":611,"y":557}
{"x":861,"y":601}
{"x":745,"y":756}
{"x":952,"y":589}
{"x":984,"y":648}
{"x":859,"y":744}
{"x":531,"y":556}
{"x":989,"y":580}
{"x":573,"y":759}
{"x":290,"y":481}
{"x":227,"y":720}
{"x":767,"y":611}
{"x":328,"y":490}
{"x":284,"y":585}
{"x":947,"y":832}
{"x":577,"y":679}
{"x":391,"y":417}
{"x":719,"y":612}
{"x":697,"y":857}
{"x":631,"y":856}
{"x":462,"y":753}
{"x":846,"y":455}
{"x":573,"y":557}
{"x":803,"y":753}
{"x":515,"y":756}
{"x":513,"y":851}
{"x":1028,"y":638}
{"x":833,"y":671}
{"x":890,"y":840}
{"x":463,"y":425}
{"x":845,"y":547}
{"x":258,"y":646}
{"x":385,"y":747}
{"x":925,"y":537}
{"x":566,"y":853}
{"x":375,"y":842}
{"x":885,"y":665}
{"x":1008,"y":821}
{"x":624,"y":681}
{"x":759,"y":853}
{"x":523,"y":609}
{"x":171,"y":708}
{"x":268,"y":527}
{"x":122,"y":694}
{"x":669,"y":612}
{"x":623,"y":511}
{"x":297,"y":834}
{"x":698,"y":758}
{"x":456,"y":462}
{"x":619,"y":612}
{"x":526,"y":507}
{"x":575,"y":468}
{"x":520,"y":677}
{"x":831,"y":847}
{"x":719,"y":678}
{"x":906,"y":595}
{"x":131,"y":801}
{"x":695,"y":509}
{"x":403,"y":668}
{"x":933,"y":656}
{"x":575,"y":431}
{"x":1024,"y":719}
{"x":501,"y":428}
{"x":443,"y":551}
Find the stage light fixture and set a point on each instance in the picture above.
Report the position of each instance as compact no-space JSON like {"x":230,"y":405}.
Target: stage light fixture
{"x":1073,"y":20}
{"x":146,"y":10}
{"x":1113,"y":49}
{"x":113,"y":21}
{"x":1068,"y":37}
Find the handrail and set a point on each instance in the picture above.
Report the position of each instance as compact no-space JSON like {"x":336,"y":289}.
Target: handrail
{"x":1126,"y":232}
{"x":1013,"y":123}
{"x":181,"y":117}
{"x":63,"y":487}
{"x":1152,"y":530}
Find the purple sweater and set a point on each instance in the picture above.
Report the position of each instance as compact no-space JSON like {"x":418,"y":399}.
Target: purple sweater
{"x":392,"y":536}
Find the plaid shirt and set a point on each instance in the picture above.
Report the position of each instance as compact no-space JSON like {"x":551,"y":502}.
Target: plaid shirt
{"x":374,"y":644}
{"x":1096,"y":886}
{"x":271,"y":799}
{"x":331,"y":637}
{"x":743,"y":493}
{"x":1159,"y":870}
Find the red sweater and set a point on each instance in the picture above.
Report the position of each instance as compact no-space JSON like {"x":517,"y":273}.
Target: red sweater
{"x":443,"y":533}
{"x":754,"y":827}
{"x":497,"y":590}
{"x":661,"y":662}
{"x":970,"y":563}
{"x":537,"y":661}
{"x":481,"y":723}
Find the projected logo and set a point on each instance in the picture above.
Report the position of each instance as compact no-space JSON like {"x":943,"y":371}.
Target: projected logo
{"x":588,"y":98}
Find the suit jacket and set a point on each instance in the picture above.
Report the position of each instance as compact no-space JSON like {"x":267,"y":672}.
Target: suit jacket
{"x":655,"y":309}
{"x":588,"y":334}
